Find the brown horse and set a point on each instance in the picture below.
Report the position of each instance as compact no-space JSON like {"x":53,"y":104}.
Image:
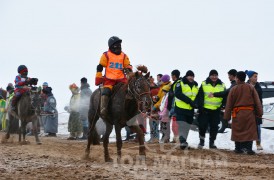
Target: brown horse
{"x":28,"y":108}
{"x":127,"y":101}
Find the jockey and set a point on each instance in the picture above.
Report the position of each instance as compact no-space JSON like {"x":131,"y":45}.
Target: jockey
{"x":114,"y":61}
{"x":21,"y":82}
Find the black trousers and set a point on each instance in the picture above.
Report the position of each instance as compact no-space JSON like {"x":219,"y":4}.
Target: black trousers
{"x":184,"y":123}
{"x":246,"y":146}
{"x":211,"y":118}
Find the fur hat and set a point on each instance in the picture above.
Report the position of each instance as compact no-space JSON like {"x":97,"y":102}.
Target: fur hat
{"x":250,"y":73}
{"x":165,"y":78}
{"x":190,"y":73}
{"x":213,"y":72}
{"x":73,"y":86}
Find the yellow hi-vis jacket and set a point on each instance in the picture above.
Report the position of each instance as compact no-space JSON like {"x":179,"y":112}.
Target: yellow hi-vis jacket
{"x":189,"y":92}
{"x":215,"y":102}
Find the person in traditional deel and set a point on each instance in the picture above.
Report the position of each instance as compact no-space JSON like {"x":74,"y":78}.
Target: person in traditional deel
{"x":244,"y":105}
{"x":74,"y":123}
{"x":51,"y":113}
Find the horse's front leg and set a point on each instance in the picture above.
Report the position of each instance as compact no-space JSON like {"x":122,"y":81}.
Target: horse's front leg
{"x":140,"y":136}
{"x":20,"y":131}
{"x":23,"y":129}
{"x":34,"y":129}
{"x":109,"y":128}
{"x":118,"y":141}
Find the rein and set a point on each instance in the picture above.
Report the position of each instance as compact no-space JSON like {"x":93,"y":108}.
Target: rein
{"x":136,"y":95}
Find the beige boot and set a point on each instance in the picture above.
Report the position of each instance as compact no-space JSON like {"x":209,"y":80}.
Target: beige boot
{"x":175,"y":139}
{"x":259,"y":147}
{"x":104,"y":106}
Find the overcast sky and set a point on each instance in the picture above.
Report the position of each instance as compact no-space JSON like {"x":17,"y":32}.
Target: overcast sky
{"x":61,"y":41}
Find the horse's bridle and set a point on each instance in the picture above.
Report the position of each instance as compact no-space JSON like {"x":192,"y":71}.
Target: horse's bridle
{"x":33,"y":97}
{"x":135,"y":94}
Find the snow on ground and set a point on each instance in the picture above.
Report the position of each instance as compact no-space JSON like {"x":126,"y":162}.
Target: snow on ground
{"x":223,"y":139}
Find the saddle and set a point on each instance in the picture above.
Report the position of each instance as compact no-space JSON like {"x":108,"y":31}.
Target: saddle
{"x":117,"y":88}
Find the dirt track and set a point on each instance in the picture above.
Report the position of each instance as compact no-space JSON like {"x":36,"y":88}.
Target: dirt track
{"x":58,"y":158}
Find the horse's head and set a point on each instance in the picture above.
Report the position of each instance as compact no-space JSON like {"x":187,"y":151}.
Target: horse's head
{"x":138,"y":87}
{"x":35,"y":98}
{"x":28,"y":104}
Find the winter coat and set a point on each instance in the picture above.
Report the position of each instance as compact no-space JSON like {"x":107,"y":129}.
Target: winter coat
{"x":2,"y":112}
{"x":260,"y":93}
{"x":181,"y":96}
{"x":200,"y":97}
{"x":51,"y":118}
{"x":20,"y":81}
{"x":161,"y":94}
{"x":224,"y":93}
{"x":74,"y":123}
{"x":74,"y":104}
{"x":154,"y":91}
{"x":244,"y":126}
{"x":164,"y":112}
{"x":8,"y":101}
{"x":85,"y":94}
{"x":171,"y":95}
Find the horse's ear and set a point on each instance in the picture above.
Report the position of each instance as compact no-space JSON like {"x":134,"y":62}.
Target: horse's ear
{"x":147,"y":75}
{"x":137,"y":74}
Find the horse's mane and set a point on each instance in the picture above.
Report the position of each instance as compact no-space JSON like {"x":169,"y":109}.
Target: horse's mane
{"x":140,"y":69}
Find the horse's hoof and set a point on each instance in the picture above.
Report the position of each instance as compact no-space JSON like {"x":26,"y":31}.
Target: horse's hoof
{"x":108,"y":159}
{"x":38,"y":143}
{"x":142,"y":153}
{"x":119,"y":160}
{"x":4,"y":140}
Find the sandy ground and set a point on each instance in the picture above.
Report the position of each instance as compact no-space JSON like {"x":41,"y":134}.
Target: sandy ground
{"x":58,"y":158}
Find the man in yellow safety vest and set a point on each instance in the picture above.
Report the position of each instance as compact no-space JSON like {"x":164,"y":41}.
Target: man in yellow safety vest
{"x":209,"y":108}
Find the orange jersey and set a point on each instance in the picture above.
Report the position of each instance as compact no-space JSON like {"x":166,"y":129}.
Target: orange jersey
{"x":114,"y":65}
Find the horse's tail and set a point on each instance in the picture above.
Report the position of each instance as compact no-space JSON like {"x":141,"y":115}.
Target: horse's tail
{"x":94,"y":107}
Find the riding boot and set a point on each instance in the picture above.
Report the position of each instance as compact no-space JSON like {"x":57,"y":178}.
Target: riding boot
{"x":104,"y":106}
